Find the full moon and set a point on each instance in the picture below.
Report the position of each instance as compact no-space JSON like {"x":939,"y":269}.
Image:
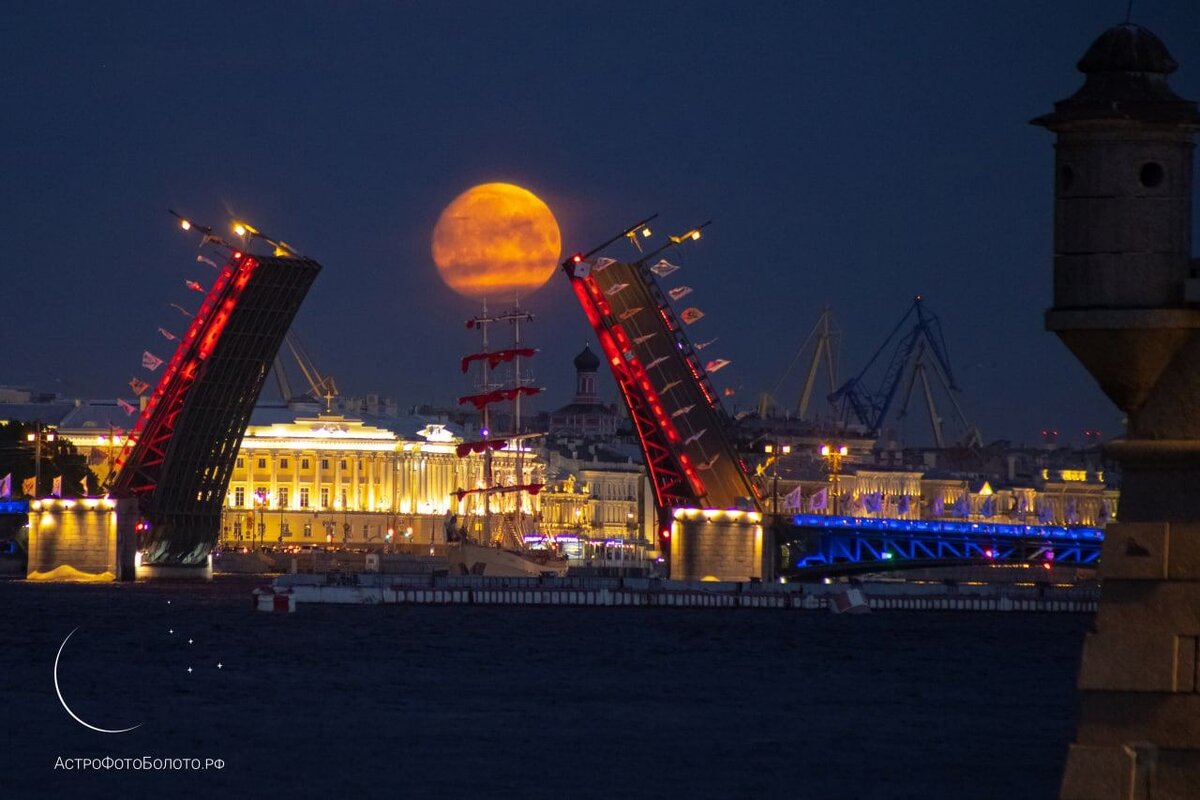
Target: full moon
{"x":496,"y":240}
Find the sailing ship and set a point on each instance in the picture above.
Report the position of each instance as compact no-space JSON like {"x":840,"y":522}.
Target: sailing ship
{"x":498,"y":544}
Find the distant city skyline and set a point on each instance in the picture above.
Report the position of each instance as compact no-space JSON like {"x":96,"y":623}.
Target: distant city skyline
{"x":803,"y":132}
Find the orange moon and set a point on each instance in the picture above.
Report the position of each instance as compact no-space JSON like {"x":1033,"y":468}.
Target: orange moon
{"x":495,"y":240}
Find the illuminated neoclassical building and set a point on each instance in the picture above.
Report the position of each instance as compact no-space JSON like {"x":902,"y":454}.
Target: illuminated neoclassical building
{"x":318,"y":478}
{"x":304,"y":477}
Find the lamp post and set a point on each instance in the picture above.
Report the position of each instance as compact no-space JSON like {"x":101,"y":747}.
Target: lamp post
{"x":835,"y":453}
{"x":775,"y":451}
{"x":38,"y":436}
{"x":260,"y":502}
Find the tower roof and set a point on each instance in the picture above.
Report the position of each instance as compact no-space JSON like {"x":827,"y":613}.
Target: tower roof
{"x":1126,"y":68}
{"x":1127,"y":48}
{"x":587,"y":361}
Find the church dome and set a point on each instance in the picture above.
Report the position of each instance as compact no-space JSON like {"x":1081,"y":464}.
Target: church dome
{"x":1127,"y":48}
{"x":587,"y":361}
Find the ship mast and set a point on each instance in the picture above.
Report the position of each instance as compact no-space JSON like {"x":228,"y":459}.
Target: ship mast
{"x":490,"y":391}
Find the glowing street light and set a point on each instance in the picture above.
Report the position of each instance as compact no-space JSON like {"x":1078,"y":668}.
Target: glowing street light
{"x":775,"y":451}
{"x":835,"y":453}
{"x":38,"y":436}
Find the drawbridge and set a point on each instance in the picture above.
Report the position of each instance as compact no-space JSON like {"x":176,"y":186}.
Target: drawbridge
{"x":181,"y":451}
{"x":680,"y":424}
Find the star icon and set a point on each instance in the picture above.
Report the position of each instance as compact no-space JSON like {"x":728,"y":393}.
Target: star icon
{"x":219,"y":665}
{"x":189,"y":641}
{"x":189,"y":670}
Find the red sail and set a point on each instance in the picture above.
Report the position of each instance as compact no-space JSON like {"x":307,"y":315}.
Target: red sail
{"x":496,"y":396}
{"x":466,"y":448}
{"x":497,"y":357}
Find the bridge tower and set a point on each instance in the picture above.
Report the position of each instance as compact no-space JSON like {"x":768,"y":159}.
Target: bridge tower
{"x":1126,"y":305}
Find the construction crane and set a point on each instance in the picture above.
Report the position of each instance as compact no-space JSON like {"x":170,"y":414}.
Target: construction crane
{"x":917,"y":351}
{"x":320,"y":387}
{"x":824,"y":338}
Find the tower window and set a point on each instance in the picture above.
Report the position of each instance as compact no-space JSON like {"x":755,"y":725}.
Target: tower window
{"x":1151,"y":174}
{"x":1066,"y":177}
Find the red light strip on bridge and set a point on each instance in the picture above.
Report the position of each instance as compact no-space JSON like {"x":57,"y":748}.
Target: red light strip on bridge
{"x":639,"y":394}
{"x":207,"y":325}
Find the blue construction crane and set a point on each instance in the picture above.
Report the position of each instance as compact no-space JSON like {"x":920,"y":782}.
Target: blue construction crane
{"x":856,"y":403}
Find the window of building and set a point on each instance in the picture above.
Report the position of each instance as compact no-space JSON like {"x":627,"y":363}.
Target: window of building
{"x":324,"y":463}
{"x":324,"y":497}
{"x":261,"y":492}
{"x":241,"y":462}
{"x":308,"y":530}
{"x":283,"y":496}
{"x":343,"y":463}
{"x":262,"y":463}
{"x":283,"y":462}
{"x":239,"y":497}
{"x":1151,"y":174}
{"x":366,"y":532}
{"x":344,"y":499}
{"x":304,"y":463}
{"x":304,"y":497}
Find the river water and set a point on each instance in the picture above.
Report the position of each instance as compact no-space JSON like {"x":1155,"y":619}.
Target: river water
{"x":510,"y":702}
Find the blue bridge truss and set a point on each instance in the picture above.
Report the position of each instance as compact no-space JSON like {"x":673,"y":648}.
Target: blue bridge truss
{"x":851,"y":544}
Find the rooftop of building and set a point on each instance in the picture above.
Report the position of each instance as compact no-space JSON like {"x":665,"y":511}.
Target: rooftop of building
{"x":1126,"y":68}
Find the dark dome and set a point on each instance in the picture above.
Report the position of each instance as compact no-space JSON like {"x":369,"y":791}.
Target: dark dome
{"x":587,"y":361}
{"x":1127,"y":48}
{"x":1126,"y":69}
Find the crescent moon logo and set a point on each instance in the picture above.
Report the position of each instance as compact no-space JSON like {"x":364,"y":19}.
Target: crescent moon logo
{"x":67,"y":708}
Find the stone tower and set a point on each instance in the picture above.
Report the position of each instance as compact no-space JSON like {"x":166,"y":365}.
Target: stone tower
{"x":1127,"y":306}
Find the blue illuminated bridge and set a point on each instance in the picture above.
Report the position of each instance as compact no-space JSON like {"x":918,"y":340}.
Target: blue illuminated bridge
{"x":824,"y":544}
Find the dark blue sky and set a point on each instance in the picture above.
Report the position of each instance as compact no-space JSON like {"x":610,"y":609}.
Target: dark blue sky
{"x":854,"y":154}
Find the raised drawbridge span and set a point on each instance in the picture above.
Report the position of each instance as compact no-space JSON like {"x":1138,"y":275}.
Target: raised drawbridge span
{"x":182,"y":448}
{"x":680,"y":423}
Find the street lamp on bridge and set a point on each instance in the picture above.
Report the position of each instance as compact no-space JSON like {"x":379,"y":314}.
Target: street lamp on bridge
{"x":835,"y":453}
{"x":775,"y":451}
{"x":39,"y":435}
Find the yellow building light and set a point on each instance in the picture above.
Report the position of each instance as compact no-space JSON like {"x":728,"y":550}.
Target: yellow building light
{"x":183,"y":223}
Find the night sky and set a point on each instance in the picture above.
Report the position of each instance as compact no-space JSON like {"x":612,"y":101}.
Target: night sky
{"x":854,"y":154}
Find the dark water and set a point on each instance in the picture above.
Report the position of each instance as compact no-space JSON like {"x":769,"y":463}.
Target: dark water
{"x":522,"y":702}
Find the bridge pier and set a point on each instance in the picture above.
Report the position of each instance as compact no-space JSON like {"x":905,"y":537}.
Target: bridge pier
{"x":715,"y":544}
{"x":84,"y":539}
{"x":173,"y":572}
